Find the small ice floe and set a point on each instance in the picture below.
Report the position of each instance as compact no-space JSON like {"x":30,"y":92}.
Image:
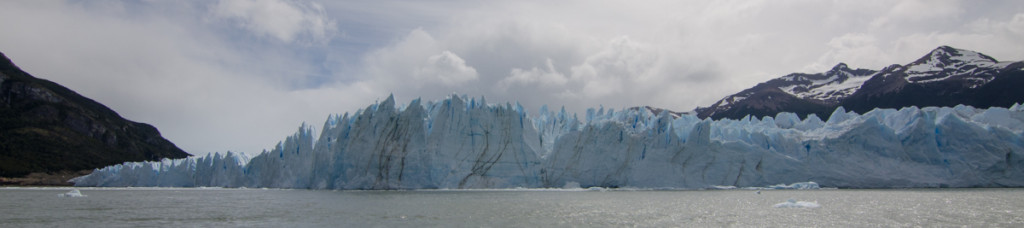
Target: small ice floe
{"x":72,"y":193}
{"x":572,"y":185}
{"x":722,"y":187}
{"x":791,"y":203}
{"x":798,"y":185}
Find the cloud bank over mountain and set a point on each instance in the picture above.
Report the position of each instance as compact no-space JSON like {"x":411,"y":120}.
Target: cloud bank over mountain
{"x":235,"y":74}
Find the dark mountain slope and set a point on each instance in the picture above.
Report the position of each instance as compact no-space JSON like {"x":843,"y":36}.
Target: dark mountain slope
{"x":45,"y":127}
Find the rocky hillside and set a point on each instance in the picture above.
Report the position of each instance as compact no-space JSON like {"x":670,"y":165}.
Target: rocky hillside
{"x":47,"y":128}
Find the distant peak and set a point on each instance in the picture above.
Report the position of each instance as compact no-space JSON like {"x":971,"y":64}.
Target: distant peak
{"x":6,"y":63}
{"x":840,"y":67}
{"x":945,"y":54}
{"x":946,"y":49}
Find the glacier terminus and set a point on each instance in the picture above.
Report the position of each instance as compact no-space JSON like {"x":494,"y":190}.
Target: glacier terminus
{"x":462,"y":142}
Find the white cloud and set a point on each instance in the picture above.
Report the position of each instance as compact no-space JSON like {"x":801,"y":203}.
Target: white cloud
{"x":547,"y":77}
{"x":395,"y":67}
{"x":858,"y":48}
{"x":285,"y":20}
{"x":913,"y":12}
{"x":446,"y":68}
{"x":608,"y":71}
{"x":1013,"y":27}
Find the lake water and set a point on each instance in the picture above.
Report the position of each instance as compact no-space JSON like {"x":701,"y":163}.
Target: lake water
{"x":180,"y":207}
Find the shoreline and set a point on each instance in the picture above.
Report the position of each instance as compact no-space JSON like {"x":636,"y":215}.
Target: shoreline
{"x":44,"y":179}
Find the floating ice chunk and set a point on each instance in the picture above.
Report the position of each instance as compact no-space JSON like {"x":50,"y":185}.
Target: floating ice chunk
{"x":72,"y":193}
{"x":723,"y":187}
{"x":798,"y":185}
{"x":791,"y":203}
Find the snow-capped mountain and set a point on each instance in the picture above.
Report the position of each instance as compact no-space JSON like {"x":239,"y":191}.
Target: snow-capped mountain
{"x":944,"y":77}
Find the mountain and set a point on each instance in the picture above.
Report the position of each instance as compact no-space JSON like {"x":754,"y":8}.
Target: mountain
{"x":45,"y":127}
{"x":944,"y":77}
{"x":466,"y":143}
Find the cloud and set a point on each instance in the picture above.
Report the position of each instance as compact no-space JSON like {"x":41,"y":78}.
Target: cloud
{"x":396,"y":68}
{"x":548,"y":77}
{"x":1013,"y":27}
{"x":446,"y":68}
{"x":285,"y":20}
{"x":860,"y":48}
{"x":608,"y":71}
{"x":918,"y":12}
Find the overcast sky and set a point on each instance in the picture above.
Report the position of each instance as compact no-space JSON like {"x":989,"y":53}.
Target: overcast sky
{"x":241,"y":75}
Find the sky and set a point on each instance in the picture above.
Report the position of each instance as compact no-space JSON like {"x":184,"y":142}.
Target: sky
{"x":241,"y":75}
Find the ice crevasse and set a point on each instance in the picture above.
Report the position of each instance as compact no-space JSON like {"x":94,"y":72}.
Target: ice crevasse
{"x":461,"y":142}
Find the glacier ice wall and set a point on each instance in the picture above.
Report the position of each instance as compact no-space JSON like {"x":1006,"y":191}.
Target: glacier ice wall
{"x":460,"y":142}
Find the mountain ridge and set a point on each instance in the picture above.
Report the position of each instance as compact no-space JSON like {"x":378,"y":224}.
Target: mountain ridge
{"x":946,"y":76}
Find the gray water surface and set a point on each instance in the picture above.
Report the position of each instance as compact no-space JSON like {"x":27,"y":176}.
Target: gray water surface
{"x":177,"y":207}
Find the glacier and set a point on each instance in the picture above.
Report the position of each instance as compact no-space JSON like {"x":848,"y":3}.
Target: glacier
{"x":466,"y":143}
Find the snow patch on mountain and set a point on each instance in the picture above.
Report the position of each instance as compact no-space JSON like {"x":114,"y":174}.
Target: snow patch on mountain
{"x":832,"y":88}
{"x":833,"y":85}
{"x":728,"y":101}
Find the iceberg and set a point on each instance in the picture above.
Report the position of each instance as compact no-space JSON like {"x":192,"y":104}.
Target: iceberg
{"x":72,"y":193}
{"x":791,"y":203}
{"x":800,"y":185}
{"x":466,"y":143}
{"x":572,"y":185}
